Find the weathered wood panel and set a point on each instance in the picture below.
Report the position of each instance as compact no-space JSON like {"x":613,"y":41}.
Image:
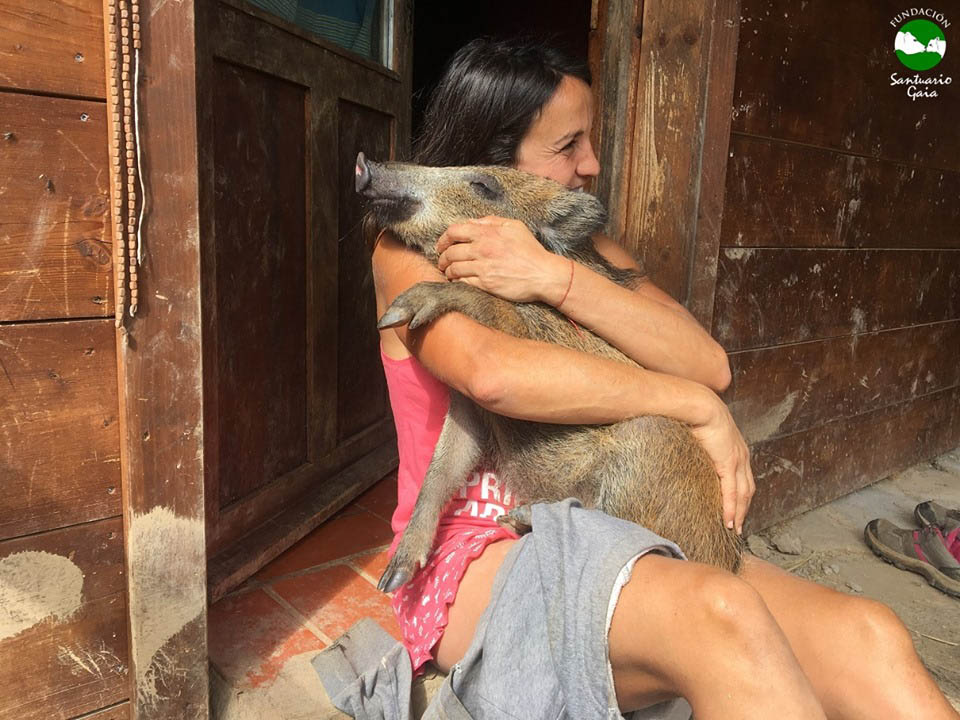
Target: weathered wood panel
{"x":801,"y":471}
{"x":787,"y":195}
{"x":785,"y":389}
{"x":54,"y":246}
{"x":261,"y":222}
{"x":59,"y":437}
{"x":63,"y":626}
{"x":807,"y":74}
{"x":773,"y":296}
{"x":361,"y":386}
{"x":52,"y":46}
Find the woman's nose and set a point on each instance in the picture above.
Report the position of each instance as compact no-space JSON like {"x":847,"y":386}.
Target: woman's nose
{"x":588,"y":166}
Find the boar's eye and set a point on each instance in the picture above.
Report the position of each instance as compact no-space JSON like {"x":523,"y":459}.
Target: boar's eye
{"x":487,"y":188}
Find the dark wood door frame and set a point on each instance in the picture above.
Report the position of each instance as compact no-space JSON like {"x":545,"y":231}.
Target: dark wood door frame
{"x":161,"y":372}
{"x":255,"y":527}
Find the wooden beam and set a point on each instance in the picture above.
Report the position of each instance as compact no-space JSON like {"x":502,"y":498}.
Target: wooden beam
{"x":719,"y":78}
{"x":161,"y":388}
{"x":663,"y":123}
{"x":614,"y":53}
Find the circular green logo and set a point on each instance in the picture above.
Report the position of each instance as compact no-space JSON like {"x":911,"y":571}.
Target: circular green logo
{"x":920,"y":44}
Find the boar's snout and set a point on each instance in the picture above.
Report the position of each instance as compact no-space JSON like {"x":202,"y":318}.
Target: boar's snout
{"x":363,"y":173}
{"x":386,"y":188}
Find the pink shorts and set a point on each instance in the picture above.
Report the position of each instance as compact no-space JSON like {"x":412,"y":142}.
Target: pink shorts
{"x":421,"y":606}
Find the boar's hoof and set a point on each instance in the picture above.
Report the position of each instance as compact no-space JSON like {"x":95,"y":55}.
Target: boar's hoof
{"x":394,"y":316}
{"x":398,"y":572}
{"x":520,"y":519}
{"x":419,"y":305}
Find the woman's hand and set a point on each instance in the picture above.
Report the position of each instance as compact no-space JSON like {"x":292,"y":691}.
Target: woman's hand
{"x":731,"y":458}
{"x":504,"y":258}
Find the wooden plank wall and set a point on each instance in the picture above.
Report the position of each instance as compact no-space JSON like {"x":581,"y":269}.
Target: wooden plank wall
{"x":63,"y":626}
{"x":838,"y":278}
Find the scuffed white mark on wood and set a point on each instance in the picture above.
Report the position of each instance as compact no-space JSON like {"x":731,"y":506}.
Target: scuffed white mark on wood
{"x":735,"y":253}
{"x":96,"y":662}
{"x":651,"y":176}
{"x":758,"y":424}
{"x":859,"y":321}
{"x":36,"y":586}
{"x":781,"y":464}
{"x":63,"y":254}
{"x":77,"y":148}
{"x":167,"y":582}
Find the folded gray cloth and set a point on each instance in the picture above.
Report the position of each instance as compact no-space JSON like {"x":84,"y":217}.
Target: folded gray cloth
{"x":367,"y":673}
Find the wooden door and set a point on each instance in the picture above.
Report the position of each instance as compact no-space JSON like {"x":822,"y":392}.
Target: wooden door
{"x":296,"y":418}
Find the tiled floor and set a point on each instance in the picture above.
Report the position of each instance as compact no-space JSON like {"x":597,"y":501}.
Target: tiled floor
{"x":308,"y":596}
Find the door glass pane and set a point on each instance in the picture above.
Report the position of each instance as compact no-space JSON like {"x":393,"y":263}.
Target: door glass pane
{"x":363,"y":26}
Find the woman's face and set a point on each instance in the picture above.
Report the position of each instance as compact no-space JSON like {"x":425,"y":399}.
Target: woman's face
{"x":557,"y":146}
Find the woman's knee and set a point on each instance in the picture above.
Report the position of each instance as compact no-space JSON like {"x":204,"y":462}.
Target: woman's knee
{"x":878,"y":630}
{"x":725,"y":604}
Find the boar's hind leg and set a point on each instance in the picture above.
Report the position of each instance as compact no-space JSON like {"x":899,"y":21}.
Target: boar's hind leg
{"x":519,"y":519}
{"x":426,"y":301}
{"x":457,"y":453}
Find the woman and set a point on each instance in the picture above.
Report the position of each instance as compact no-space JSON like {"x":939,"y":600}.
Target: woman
{"x":762,"y":644}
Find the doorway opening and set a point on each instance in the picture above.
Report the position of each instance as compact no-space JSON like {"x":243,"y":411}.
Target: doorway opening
{"x":440,"y":28}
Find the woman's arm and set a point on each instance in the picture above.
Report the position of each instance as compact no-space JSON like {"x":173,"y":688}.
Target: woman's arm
{"x":502,"y":257}
{"x":548,"y":383}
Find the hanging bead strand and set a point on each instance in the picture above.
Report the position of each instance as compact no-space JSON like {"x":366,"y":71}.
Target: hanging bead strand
{"x":128,"y":146}
{"x":135,"y":142}
{"x":119,"y":267}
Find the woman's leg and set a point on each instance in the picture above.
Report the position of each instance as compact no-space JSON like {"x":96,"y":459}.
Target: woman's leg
{"x":857,"y":654}
{"x":678,"y":629}
{"x":683,"y":628}
{"x":472,"y":599}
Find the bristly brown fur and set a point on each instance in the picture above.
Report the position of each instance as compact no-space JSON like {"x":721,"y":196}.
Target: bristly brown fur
{"x":649,"y":470}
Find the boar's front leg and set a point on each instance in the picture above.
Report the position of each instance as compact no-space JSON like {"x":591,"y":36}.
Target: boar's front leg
{"x":426,"y":301}
{"x":458,"y":451}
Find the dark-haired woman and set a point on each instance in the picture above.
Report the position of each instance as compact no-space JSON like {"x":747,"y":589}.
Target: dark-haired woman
{"x":763,"y":644}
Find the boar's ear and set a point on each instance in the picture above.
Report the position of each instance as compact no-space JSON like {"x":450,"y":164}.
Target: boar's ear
{"x":570,"y":219}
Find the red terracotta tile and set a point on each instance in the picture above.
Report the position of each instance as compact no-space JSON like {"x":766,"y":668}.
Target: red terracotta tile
{"x":336,"y":538}
{"x":335,"y":598}
{"x":373,"y":564}
{"x":381,"y":499}
{"x":251,"y":636}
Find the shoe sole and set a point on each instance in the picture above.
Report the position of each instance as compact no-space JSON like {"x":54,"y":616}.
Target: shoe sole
{"x":933,"y":576}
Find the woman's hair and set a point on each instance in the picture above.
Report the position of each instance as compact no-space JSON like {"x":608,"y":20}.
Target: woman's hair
{"x":487,"y":99}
